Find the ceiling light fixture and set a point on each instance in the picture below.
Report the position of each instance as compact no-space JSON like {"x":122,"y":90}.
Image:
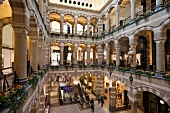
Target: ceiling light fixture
{"x":82,"y":4}
{"x":65,"y":1}
{"x":78,"y":3}
{"x":90,"y":5}
{"x":86,"y":4}
{"x":61,"y":0}
{"x":70,"y":1}
{"x":74,"y":2}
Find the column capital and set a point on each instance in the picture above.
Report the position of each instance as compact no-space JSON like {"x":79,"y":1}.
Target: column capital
{"x":20,"y":28}
{"x":160,"y":41}
{"x":132,"y":0}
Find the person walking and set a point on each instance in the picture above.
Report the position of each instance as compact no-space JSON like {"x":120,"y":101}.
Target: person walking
{"x":102,"y":102}
{"x":98,"y":99}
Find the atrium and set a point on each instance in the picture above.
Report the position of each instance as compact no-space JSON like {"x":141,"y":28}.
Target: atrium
{"x":83,"y":56}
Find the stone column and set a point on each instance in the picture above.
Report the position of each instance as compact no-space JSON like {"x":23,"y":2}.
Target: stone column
{"x":62,"y":24}
{"x":107,"y":54}
{"x":100,"y":85}
{"x":118,"y":48}
{"x":40,"y":55}
{"x":20,"y":52}
{"x":75,"y":54}
{"x":46,"y":62}
{"x":88,"y":26}
{"x":112,"y":95}
{"x":100,"y":27}
{"x":107,"y":22}
{"x":94,"y":82}
{"x":40,"y":2}
{"x":42,"y":102}
{"x":61,"y":53}
{"x":94,"y":55}
{"x":117,"y":10}
{"x":159,"y":5}
{"x":100,"y":55}
{"x":75,"y":23}
{"x":0,"y":47}
{"x":88,"y":55}
{"x":160,"y":57}
{"x":132,"y":10}
{"x":34,"y":54}
{"x":84,"y":57}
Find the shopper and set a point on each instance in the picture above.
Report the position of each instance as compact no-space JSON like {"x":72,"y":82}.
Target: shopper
{"x":102,"y":102}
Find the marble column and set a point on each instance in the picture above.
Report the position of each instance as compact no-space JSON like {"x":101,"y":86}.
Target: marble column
{"x":132,"y":10}
{"x":75,"y":25}
{"x":117,"y":10}
{"x":100,"y":55}
{"x":107,"y":21}
{"x":34,"y":54}
{"x":62,"y":24}
{"x":118,"y":48}
{"x":100,"y":85}
{"x":159,"y":5}
{"x":88,"y":55}
{"x":20,"y":52}
{"x":112,"y":95}
{"x":88,"y":26}
{"x":40,"y":55}
{"x":75,"y":54}
{"x":107,"y":54}
{"x":1,"y":48}
{"x":61,"y":53}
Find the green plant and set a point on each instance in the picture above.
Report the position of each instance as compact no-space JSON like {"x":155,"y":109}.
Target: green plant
{"x":33,"y":80}
{"x":72,"y":36}
{"x":66,"y":35}
{"x":40,"y":73}
{"x":13,"y":97}
{"x":110,"y":67}
{"x":167,"y":78}
{"x":167,"y":5}
{"x":80,"y":36}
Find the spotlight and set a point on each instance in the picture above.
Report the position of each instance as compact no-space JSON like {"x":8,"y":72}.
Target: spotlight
{"x":78,"y":3}
{"x":70,"y":1}
{"x":61,"y":0}
{"x":86,"y":4}
{"x":90,"y":5}
{"x":74,"y":2}
{"x":82,"y":4}
{"x":65,"y":1}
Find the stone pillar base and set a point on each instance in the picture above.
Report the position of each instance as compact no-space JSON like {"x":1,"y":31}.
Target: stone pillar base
{"x":112,"y":108}
{"x":158,"y":7}
{"x":133,"y":69}
{"x":160,"y":74}
{"x":132,"y":20}
{"x":23,"y":82}
{"x":117,"y":68}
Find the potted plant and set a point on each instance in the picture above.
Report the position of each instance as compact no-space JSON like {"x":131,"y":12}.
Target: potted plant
{"x":66,"y":35}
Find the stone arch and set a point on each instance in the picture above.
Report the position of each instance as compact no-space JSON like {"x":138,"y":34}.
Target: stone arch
{"x":165,"y":23}
{"x":122,"y":36}
{"x":21,"y":7}
{"x":33,"y":26}
{"x":5,"y":21}
{"x":69,"y":13}
{"x":110,"y":8}
{"x":82,"y":15}
{"x":94,"y":16}
{"x":55,"y":11}
{"x":143,"y":29}
{"x":154,"y":91}
{"x":121,"y":80}
{"x":103,"y":14}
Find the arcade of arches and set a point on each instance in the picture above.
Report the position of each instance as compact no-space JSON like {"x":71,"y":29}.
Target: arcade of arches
{"x":116,"y":51}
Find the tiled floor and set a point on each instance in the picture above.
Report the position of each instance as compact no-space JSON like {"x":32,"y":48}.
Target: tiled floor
{"x":74,"y":109}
